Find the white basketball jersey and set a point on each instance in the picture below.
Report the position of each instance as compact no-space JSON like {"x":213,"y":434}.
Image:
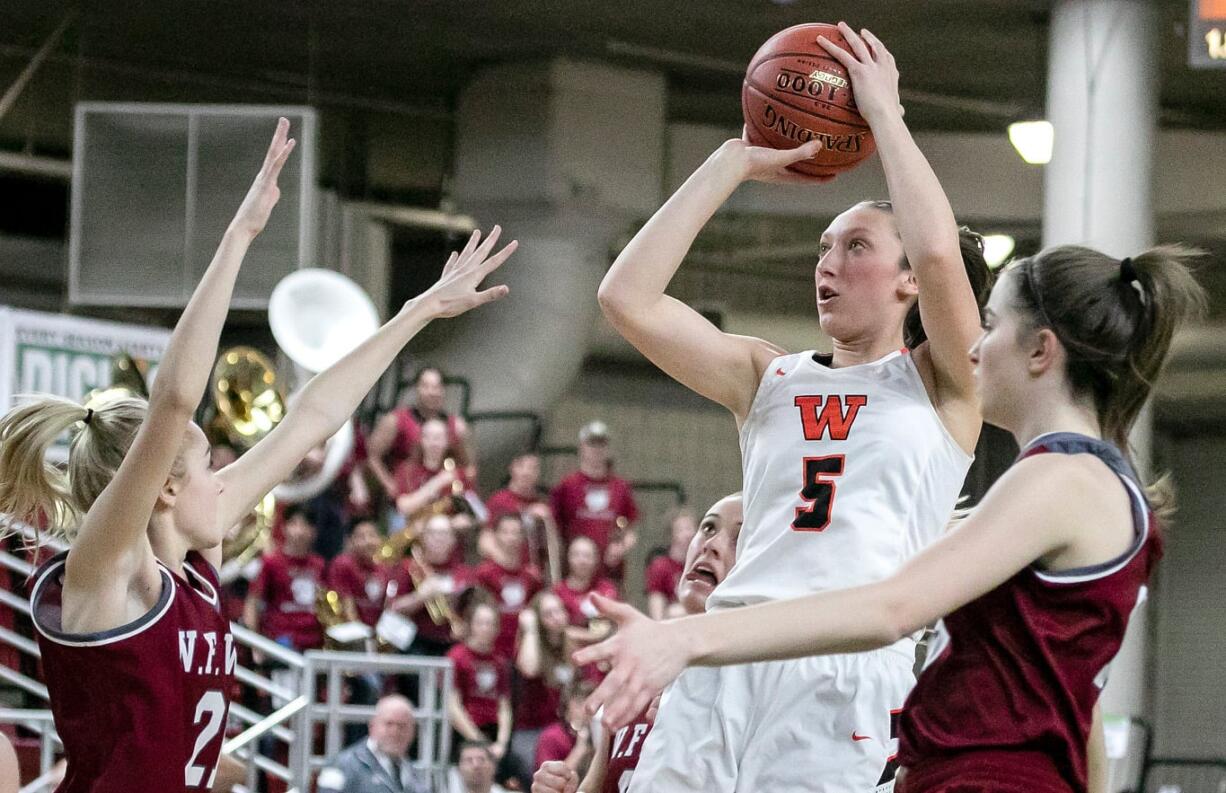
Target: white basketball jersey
{"x":847,"y":473}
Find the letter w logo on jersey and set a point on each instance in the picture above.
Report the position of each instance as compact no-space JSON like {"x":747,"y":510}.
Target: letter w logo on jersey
{"x":825,"y":415}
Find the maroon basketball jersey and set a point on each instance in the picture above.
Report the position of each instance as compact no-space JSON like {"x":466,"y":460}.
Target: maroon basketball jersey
{"x":1013,"y":676}
{"x":143,"y":706}
{"x":624,"y":752}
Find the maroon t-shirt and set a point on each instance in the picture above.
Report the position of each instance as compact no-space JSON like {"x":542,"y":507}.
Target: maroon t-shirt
{"x":624,"y":752}
{"x":288,"y":585}
{"x":579,"y":603}
{"x":481,"y":679}
{"x":590,"y":507}
{"x":402,"y":584}
{"x":508,"y":502}
{"x":412,"y":476}
{"x":362,"y":579}
{"x":540,"y":697}
{"x":512,"y":589}
{"x":143,"y":706}
{"x":408,"y":435}
{"x":663,"y":575}
{"x":556,"y":742}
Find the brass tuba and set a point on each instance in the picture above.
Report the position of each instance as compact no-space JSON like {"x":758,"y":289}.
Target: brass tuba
{"x":246,"y":396}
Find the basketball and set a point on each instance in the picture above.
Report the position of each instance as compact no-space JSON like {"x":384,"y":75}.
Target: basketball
{"x":795,"y":92}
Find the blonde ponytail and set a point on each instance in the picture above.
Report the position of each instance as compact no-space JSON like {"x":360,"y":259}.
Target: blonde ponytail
{"x":36,"y":491}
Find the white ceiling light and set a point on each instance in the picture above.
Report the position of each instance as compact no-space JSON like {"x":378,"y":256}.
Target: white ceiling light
{"x":996,"y":249}
{"x":1033,"y":140}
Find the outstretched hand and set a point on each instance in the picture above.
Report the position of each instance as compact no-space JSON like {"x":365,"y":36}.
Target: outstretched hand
{"x":253,"y":213}
{"x":874,"y":76}
{"x":644,"y":656}
{"x":456,"y":289}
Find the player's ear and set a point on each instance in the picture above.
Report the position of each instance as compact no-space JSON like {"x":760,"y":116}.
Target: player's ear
{"x":169,"y":493}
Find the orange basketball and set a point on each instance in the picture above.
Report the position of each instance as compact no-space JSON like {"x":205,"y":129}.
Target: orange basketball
{"x":794,"y":92}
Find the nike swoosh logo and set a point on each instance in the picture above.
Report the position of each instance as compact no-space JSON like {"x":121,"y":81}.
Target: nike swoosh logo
{"x":858,"y":738}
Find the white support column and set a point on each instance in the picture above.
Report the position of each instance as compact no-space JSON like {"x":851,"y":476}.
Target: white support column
{"x":1102,"y":100}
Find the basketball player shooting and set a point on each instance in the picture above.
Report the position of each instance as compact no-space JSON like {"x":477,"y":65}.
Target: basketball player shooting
{"x":136,"y":652}
{"x":852,"y":462}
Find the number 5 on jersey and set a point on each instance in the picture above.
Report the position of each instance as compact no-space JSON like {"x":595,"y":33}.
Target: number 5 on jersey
{"x":818,"y":492}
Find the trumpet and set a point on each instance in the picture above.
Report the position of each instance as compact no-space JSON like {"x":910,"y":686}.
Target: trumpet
{"x":395,"y":545}
{"x":438,"y":607}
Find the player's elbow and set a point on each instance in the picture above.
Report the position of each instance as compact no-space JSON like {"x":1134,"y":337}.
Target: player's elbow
{"x":614,"y":303}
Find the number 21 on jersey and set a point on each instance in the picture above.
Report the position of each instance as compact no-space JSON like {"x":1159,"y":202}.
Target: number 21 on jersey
{"x":823,"y":417}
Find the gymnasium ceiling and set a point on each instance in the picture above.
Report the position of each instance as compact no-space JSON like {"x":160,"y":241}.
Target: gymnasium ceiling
{"x":967,"y":65}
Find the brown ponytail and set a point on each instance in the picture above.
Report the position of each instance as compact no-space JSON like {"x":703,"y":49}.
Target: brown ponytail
{"x":1115,"y":319}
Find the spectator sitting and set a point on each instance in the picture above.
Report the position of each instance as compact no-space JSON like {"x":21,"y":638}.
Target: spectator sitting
{"x":568,"y":739}
{"x":425,"y":478}
{"x":542,"y":660}
{"x":592,"y":502}
{"x":475,"y":769}
{"x":358,"y":576}
{"x":281,"y":601}
{"x":664,"y":571}
{"x":522,"y":497}
{"x":481,"y":707}
{"x":582,"y":579}
{"x":379,"y":763}
{"x":398,"y":433}
{"x":431,"y":574}
{"x":508,"y":579}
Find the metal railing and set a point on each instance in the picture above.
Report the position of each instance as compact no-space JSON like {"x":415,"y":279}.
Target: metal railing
{"x":434,"y":681}
{"x":1184,"y":775}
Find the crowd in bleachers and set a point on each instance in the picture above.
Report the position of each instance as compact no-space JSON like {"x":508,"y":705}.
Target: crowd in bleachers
{"x":499,"y":583}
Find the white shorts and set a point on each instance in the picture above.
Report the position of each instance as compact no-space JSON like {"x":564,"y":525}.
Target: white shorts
{"x":822,"y":725}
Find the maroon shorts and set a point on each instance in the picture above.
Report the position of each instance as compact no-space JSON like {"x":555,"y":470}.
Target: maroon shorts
{"x":985,"y":772}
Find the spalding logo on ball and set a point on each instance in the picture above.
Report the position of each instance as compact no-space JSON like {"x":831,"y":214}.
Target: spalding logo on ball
{"x":795,"y":92}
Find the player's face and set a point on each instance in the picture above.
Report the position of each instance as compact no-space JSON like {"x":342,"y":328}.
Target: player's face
{"x":859,"y":279}
{"x":476,"y":768}
{"x":712,"y":553}
{"x":484,"y":627}
{"x":430,"y":391}
{"x":197,"y":492}
{"x":581,"y":558}
{"x":553,"y":613}
{"x":365,"y":539}
{"x":433,"y":440}
{"x":1000,"y":356}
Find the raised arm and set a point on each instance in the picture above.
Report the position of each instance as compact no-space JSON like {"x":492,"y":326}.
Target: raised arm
{"x":330,"y":398}
{"x":984,"y":551}
{"x":720,"y":366}
{"x":112,"y":547}
{"x":925,"y":219}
